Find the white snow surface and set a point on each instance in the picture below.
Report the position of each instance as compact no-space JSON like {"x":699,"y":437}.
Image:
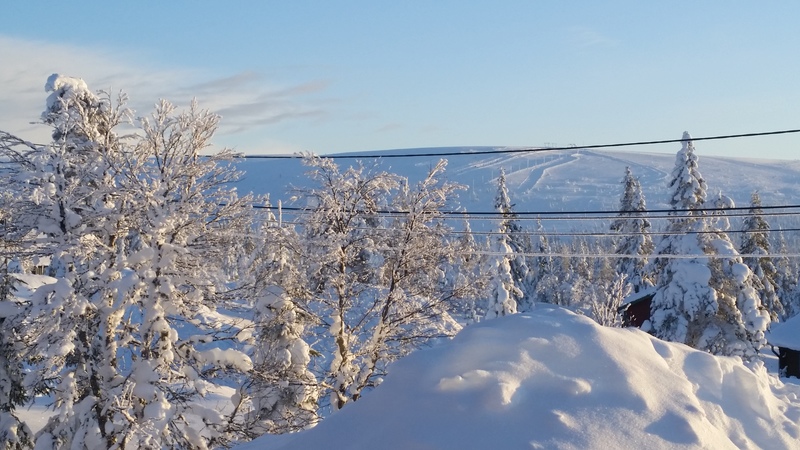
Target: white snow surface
{"x":552,"y":379}
{"x":785,"y":334}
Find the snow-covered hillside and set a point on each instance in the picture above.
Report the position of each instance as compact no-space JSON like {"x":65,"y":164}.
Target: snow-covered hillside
{"x":556,"y":180}
{"x":551,"y":379}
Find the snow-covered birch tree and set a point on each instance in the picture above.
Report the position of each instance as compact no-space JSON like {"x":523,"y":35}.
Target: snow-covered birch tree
{"x":135,"y":228}
{"x":376,"y":282}
{"x":187,"y":217}
{"x":70,"y":189}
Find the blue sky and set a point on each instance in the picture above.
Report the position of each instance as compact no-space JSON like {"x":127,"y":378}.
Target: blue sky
{"x":365,"y":75}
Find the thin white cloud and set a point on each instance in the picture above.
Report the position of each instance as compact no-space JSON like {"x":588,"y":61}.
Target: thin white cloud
{"x":245,"y":100}
{"x":583,"y":37}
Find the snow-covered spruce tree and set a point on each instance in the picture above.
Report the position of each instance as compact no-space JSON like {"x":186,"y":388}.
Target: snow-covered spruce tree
{"x":16,"y":247}
{"x":744,"y":319}
{"x":378,"y":290}
{"x":634,"y":229}
{"x":504,"y":295}
{"x":518,"y":241}
{"x":470,"y":259}
{"x":544,"y":267}
{"x":13,"y":433}
{"x":579,"y":285}
{"x":281,"y":391}
{"x":755,"y":241}
{"x":786,"y":278}
{"x":284,"y":393}
{"x":702,"y":285}
{"x":684,"y":303}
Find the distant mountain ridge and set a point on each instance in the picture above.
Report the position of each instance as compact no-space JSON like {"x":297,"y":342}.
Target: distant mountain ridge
{"x":553,"y":180}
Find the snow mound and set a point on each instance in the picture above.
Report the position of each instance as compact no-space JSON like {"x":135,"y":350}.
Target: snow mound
{"x":552,"y":379}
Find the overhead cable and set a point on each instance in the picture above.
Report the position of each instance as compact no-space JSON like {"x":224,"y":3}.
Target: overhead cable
{"x":524,"y":150}
{"x":566,"y":214}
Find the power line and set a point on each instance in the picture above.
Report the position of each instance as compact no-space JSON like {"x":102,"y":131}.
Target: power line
{"x":575,"y":218}
{"x":605,"y":233}
{"x":529,"y":149}
{"x":545,"y":233}
{"x":627,"y":256}
{"x":569,"y":215}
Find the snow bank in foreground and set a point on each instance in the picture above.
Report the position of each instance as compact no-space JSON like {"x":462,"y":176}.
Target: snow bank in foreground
{"x":553,"y":379}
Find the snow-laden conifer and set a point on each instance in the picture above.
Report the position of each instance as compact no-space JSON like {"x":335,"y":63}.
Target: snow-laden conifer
{"x":635,"y":240}
{"x":283,"y":391}
{"x":755,"y":241}
{"x":786,"y":279}
{"x":518,"y":241}
{"x":504,"y":295}
{"x":13,"y":434}
{"x":705,"y":297}
{"x":467,"y":268}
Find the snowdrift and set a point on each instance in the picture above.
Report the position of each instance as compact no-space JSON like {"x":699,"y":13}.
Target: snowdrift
{"x":552,"y":379}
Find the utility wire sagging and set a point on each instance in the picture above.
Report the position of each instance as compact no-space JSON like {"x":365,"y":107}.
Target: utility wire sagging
{"x":529,"y":149}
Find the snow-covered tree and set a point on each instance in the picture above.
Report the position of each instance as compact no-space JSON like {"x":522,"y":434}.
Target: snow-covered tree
{"x":136,"y":229}
{"x":187,"y":217}
{"x":14,"y":246}
{"x":605,"y":308}
{"x":69,"y":188}
{"x":755,"y":241}
{"x":736,"y":286}
{"x":283,"y":391}
{"x":467,"y":268}
{"x":519,"y":242}
{"x":504,"y":295}
{"x":544,"y":277}
{"x":705,"y":297}
{"x":376,"y":285}
{"x":14,"y":434}
{"x":634,"y":228}
{"x":684,"y":301}
{"x":786,"y":278}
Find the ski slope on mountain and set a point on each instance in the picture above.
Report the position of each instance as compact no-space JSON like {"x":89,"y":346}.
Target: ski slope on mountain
{"x":551,"y":379}
{"x":553,"y":181}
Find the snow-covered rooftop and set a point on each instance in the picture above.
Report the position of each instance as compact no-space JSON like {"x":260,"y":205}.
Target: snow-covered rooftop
{"x":639,"y":295}
{"x":785,"y":334}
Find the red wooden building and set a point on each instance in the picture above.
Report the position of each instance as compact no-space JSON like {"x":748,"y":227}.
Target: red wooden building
{"x":635,"y":309}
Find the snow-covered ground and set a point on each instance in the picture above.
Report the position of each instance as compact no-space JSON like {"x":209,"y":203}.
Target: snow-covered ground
{"x":551,"y":379}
